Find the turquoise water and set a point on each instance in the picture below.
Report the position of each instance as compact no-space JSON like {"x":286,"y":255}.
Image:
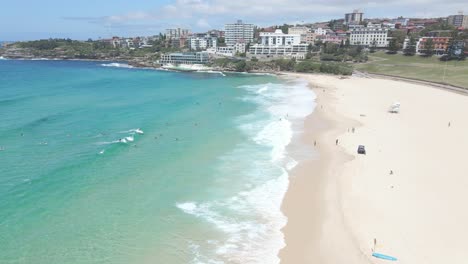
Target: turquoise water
{"x":203,"y":184}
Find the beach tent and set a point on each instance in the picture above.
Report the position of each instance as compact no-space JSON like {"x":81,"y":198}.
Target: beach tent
{"x":394,"y":108}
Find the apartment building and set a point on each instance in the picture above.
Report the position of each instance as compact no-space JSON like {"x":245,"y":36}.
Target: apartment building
{"x":238,"y":32}
{"x":441,"y":44}
{"x":320,"y":31}
{"x":353,"y":18}
{"x":366,"y":36}
{"x":202,"y":43}
{"x":177,"y":33}
{"x":302,"y":31}
{"x":459,"y":20}
{"x":278,"y":38}
{"x":279,"y":44}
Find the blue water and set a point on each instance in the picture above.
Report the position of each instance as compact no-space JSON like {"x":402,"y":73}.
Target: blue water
{"x":203,"y":184}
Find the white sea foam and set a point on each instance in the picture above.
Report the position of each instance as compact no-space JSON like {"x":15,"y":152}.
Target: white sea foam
{"x":132,"y":131}
{"x":117,"y":65}
{"x":2,"y":58}
{"x":252,"y":219}
{"x":210,"y":71}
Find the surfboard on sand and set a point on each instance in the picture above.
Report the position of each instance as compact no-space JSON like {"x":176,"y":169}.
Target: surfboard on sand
{"x":382,"y":256}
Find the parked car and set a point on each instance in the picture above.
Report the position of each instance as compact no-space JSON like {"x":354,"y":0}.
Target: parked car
{"x":361,"y":150}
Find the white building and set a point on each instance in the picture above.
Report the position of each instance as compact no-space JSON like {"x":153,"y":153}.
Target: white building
{"x":297,"y":51}
{"x":202,"y":43}
{"x":278,"y":38}
{"x":184,"y":58}
{"x":302,"y":31}
{"x":401,"y":20}
{"x":279,"y":44}
{"x":238,"y":32}
{"x":239,"y":47}
{"x":366,"y":36}
{"x":228,"y":51}
{"x":320,"y":31}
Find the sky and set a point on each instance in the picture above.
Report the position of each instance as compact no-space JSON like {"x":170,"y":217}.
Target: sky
{"x":83,"y":19}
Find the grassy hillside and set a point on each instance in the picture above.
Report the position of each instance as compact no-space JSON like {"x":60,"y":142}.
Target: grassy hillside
{"x":429,"y":69}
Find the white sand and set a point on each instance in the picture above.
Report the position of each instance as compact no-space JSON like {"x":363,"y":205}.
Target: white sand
{"x":420,"y":213}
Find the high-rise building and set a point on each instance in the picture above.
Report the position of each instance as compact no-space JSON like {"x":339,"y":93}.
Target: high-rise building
{"x":459,"y":20}
{"x":177,"y":33}
{"x":238,"y":32}
{"x":353,"y":18}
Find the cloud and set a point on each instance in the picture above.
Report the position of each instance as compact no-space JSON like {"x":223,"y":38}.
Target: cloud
{"x":202,"y":23}
{"x":203,"y":14}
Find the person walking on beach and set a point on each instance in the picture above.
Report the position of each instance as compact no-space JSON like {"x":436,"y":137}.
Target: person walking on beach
{"x":449,"y":124}
{"x":353,"y":130}
{"x":336,"y":142}
{"x":315,"y":143}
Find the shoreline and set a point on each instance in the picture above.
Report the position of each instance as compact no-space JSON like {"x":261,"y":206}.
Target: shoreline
{"x":341,"y":203}
{"x":307,"y":186}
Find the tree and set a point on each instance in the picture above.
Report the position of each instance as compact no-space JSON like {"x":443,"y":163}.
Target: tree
{"x":428,"y":48}
{"x":285,"y":28}
{"x":392,"y":47}
{"x":373,"y":46}
{"x":410,"y":48}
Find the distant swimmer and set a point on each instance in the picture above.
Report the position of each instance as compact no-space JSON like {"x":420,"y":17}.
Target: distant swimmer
{"x":176,"y":139}
{"x":22,"y":134}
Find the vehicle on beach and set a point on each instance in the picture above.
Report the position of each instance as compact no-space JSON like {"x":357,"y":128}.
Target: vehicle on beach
{"x":361,"y":150}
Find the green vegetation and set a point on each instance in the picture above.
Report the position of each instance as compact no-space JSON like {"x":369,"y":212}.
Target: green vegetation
{"x":393,"y":46}
{"x":342,"y":53}
{"x":69,"y":48}
{"x":73,"y":49}
{"x":288,"y":65}
{"x":324,"y":67}
{"x":428,"y":69}
{"x":428,"y":48}
{"x":410,"y":49}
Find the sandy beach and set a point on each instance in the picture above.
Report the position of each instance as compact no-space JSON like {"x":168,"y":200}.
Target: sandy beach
{"x":407,"y":194}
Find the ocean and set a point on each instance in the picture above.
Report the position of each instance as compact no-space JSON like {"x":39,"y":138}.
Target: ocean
{"x":79,"y":183}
